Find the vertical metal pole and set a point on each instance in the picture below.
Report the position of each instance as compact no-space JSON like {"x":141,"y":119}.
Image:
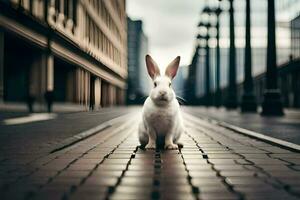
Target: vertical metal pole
{"x":248,"y":103}
{"x":207,"y":72}
{"x":232,"y":88}
{"x":218,"y":89}
{"x":272,"y":104}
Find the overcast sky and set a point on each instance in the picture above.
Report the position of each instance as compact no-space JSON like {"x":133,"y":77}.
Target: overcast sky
{"x":170,"y":25}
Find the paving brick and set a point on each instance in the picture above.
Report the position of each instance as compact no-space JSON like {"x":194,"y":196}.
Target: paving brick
{"x":101,"y":181}
{"x":135,"y":196}
{"x":71,"y":181}
{"x":83,"y":167}
{"x":175,"y":189}
{"x":107,"y":173}
{"x":134,"y":181}
{"x":228,"y":167}
{"x":207,"y":182}
{"x":244,"y":181}
{"x":200,"y":174}
{"x":74,"y":174}
{"x":215,"y":163}
{"x":266,"y":161}
{"x":195,"y":161}
{"x":275,"y":196}
{"x":254,"y":188}
{"x":86,"y":161}
{"x":216,"y":196}
{"x":174,"y":181}
{"x":111,"y":167}
{"x":199,"y":167}
{"x":222,"y":155}
{"x":177,"y":196}
{"x":237,"y":173}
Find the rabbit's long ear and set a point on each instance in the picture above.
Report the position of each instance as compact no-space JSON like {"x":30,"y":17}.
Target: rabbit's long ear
{"x":152,"y":67}
{"x":172,"y":68}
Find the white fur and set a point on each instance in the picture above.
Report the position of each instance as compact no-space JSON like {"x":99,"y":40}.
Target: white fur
{"x":161,"y":116}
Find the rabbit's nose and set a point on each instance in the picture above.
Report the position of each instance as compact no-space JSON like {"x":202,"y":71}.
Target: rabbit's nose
{"x":162,"y":93}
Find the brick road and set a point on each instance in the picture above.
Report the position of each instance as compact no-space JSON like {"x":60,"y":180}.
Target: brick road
{"x":215,"y":163}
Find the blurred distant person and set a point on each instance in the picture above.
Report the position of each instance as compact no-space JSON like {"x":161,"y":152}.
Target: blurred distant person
{"x":49,"y":99}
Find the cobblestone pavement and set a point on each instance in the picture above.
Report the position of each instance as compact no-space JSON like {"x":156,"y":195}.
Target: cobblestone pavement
{"x":215,"y":163}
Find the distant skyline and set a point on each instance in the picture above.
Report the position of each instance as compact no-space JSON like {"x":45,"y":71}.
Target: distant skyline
{"x":171,"y":27}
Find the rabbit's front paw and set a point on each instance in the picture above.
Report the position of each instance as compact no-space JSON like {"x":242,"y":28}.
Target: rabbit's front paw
{"x":171,"y":146}
{"x":150,"y":145}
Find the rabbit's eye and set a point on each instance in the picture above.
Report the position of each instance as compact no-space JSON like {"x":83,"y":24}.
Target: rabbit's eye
{"x":155,"y":84}
{"x":169,"y":84}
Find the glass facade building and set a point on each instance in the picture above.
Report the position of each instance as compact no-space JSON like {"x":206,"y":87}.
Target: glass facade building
{"x":287,"y":36}
{"x":138,"y":80}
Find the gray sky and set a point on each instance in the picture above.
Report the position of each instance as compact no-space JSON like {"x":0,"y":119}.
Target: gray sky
{"x":170,"y":25}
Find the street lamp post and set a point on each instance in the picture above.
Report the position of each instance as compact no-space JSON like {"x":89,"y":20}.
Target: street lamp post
{"x":248,"y":103}
{"x":207,"y":63}
{"x":272,"y":104}
{"x":231,"y":102}
{"x":218,"y":11}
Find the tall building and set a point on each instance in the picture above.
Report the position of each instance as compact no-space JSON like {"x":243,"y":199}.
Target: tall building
{"x":295,"y":34}
{"x":178,"y":84}
{"x":138,"y":79}
{"x":76,"y":50}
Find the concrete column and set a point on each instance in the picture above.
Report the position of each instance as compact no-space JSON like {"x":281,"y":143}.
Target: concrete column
{"x":97,"y":92}
{"x":82,"y":83}
{"x":114,"y":91}
{"x":50,"y":72}
{"x":77,"y":83}
{"x":1,"y":65}
{"x":105,"y":95}
{"x":85,"y":88}
{"x":71,"y":87}
{"x":118,"y":96}
{"x":110,"y":95}
{"x":102,"y":94}
{"x":88,"y":88}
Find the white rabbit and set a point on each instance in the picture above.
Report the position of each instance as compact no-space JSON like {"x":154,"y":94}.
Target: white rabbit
{"x":161,"y":116}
